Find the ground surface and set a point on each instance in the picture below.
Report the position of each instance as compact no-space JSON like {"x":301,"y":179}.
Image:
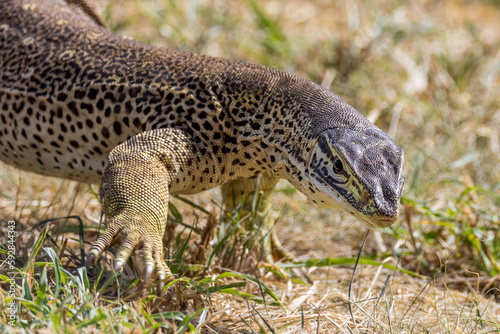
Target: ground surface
{"x":426,"y":72}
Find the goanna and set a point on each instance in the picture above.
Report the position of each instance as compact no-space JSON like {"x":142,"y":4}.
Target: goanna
{"x":79,"y":102}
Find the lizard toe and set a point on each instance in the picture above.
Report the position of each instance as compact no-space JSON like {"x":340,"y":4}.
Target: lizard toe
{"x":146,"y":276}
{"x":98,"y":246}
{"x":127,"y":245}
{"x":148,"y":259}
{"x":159,"y":287}
{"x":162,"y":270}
{"x":143,"y":260}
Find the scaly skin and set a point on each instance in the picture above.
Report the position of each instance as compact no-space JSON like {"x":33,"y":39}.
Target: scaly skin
{"x":242,"y":191}
{"x":79,"y":102}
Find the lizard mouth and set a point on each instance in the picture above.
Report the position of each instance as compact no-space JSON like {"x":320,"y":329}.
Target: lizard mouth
{"x":383,"y":221}
{"x":378,"y":221}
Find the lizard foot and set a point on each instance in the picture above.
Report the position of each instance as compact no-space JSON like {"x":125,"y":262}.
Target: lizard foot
{"x":135,"y":191}
{"x":145,"y":247}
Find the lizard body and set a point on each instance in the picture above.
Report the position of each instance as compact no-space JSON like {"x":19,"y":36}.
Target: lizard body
{"x":79,"y":102}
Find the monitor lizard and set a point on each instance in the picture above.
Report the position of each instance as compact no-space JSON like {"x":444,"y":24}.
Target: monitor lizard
{"x":80,"y":102}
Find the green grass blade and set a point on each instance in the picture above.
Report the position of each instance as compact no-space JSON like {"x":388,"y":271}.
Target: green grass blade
{"x":185,"y":200}
{"x":179,"y":254}
{"x":26,"y":290}
{"x":186,"y":322}
{"x":57,"y":269}
{"x":253,"y":280}
{"x":170,"y":315}
{"x":36,"y":247}
{"x":82,"y":273}
{"x":326,"y":262}
{"x":227,"y":286}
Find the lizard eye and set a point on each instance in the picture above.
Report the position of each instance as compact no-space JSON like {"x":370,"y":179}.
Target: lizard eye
{"x":338,"y":167}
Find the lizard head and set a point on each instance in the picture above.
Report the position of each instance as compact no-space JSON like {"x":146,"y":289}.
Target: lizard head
{"x":359,"y":171}
{"x":341,"y":160}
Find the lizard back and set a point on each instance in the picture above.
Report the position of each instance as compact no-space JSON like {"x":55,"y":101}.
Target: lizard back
{"x":70,"y":91}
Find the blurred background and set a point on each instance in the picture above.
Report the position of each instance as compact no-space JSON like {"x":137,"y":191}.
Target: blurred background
{"x":426,"y":72}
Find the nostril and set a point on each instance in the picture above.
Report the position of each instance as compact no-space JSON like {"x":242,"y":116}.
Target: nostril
{"x":389,"y":209}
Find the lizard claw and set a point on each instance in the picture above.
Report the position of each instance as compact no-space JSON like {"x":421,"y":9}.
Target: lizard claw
{"x":147,"y":275}
{"x":145,"y":251}
{"x":90,"y":260}
{"x":118,"y":265}
{"x":145,"y":259}
{"x":99,"y":246}
{"x":160,"y":285}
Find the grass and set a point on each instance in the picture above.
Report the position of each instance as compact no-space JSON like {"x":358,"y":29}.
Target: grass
{"x":425,"y":72}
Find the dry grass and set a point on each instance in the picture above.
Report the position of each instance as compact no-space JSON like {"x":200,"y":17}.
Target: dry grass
{"x":427,"y":73}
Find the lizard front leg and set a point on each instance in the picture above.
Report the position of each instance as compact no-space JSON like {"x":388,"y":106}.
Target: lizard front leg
{"x":242,"y":191}
{"x":135,"y":191}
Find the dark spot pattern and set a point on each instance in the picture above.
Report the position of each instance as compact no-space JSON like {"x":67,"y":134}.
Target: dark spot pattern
{"x":67,"y":101}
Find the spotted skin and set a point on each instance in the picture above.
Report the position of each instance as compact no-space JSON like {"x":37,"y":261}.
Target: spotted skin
{"x":79,"y":102}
